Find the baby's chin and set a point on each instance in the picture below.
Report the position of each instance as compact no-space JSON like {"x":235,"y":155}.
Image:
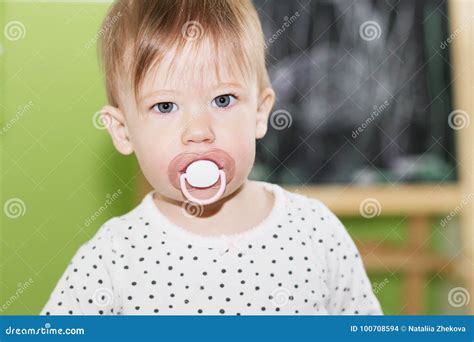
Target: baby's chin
{"x":176,"y":196}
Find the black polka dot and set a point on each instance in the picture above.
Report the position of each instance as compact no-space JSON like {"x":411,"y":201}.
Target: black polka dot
{"x":163,"y":274}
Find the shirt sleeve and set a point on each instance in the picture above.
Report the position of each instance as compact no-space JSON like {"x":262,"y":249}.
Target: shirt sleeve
{"x":350,"y":290}
{"x":86,"y":287}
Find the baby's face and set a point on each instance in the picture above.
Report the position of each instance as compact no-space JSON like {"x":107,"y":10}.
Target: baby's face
{"x":184,"y":110}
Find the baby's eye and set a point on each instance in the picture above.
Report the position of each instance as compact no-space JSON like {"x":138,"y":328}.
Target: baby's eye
{"x":165,"y":107}
{"x":223,"y":101}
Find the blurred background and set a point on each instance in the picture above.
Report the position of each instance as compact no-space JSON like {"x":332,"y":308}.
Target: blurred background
{"x":374,"y":101}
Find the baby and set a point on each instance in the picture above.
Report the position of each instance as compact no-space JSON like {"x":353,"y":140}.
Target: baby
{"x":189,"y":94}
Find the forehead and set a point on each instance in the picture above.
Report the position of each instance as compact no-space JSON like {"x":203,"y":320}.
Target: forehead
{"x":197,"y":66}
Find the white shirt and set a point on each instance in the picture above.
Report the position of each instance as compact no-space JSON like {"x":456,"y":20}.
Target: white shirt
{"x":299,"y":260}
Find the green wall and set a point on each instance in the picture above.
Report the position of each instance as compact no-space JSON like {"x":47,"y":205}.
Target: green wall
{"x":62,"y":168}
{"x":54,"y":160}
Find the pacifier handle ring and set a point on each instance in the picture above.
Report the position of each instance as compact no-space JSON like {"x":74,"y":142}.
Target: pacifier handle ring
{"x":182,"y":180}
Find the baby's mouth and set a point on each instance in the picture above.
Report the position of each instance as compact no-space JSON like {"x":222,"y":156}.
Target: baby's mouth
{"x":203,"y":189}
{"x":191,"y":158}
{"x":180,"y":163}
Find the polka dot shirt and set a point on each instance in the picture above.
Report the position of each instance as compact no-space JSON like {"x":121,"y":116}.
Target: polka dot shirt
{"x":299,"y":260}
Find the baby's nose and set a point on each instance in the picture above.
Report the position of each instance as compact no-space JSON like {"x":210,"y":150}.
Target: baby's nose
{"x":197,"y":130}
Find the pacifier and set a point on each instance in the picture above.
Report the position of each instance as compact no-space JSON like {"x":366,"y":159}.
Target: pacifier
{"x":202,"y":174}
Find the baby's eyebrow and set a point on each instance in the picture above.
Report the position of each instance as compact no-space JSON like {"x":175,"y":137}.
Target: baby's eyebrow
{"x":159,"y":91}
{"x":230,"y":84}
{"x":171,"y":91}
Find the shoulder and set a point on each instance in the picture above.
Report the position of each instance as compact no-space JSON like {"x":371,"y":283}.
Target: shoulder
{"x":111,"y":234}
{"x":313,"y":211}
{"x":310,"y":206}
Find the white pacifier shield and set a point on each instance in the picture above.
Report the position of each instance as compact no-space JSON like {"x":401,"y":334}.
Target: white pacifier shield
{"x":202,"y":173}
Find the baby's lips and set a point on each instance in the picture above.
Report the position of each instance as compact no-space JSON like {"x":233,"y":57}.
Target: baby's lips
{"x":178,"y":165}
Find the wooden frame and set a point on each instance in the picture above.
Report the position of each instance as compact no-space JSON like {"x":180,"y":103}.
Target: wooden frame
{"x":417,"y":202}
{"x":461,"y":14}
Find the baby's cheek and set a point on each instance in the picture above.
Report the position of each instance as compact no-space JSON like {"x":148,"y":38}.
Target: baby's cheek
{"x":152,"y":160}
{"x":244,"y":155}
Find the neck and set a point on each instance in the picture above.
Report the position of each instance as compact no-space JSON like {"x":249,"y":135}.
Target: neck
{"x":224,"y":216}
{"x":229,"y":203}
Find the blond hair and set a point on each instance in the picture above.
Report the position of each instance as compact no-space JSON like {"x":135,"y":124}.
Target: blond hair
{"x":136,"y":33}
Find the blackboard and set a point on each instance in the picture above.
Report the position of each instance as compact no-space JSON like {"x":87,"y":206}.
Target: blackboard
{"x":363,"y":93}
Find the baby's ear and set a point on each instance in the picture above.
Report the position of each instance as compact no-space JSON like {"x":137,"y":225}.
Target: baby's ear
{"x":114,"y":121}
{"x":265,"y":104}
